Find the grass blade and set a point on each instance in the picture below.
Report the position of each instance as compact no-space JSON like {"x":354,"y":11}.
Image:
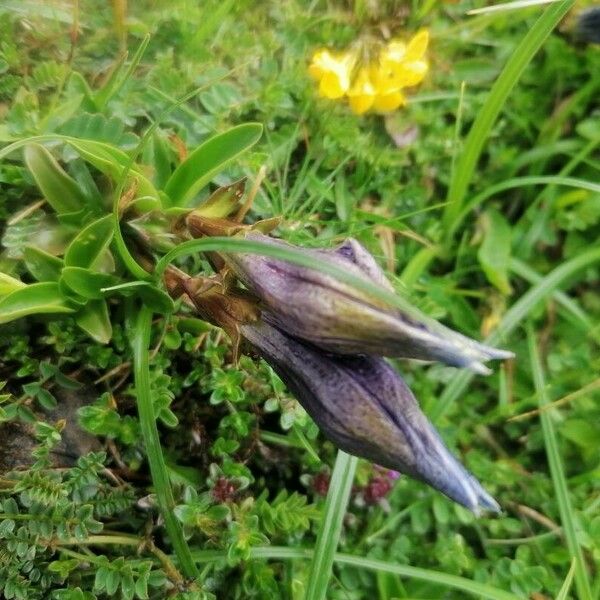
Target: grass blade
{"x":481,"y":590}
{"x":559,"y":480}
{"x":331,"y":526}
{"x":515,"y":315}
{"x":571,"y":308}
{"x":518,"y":4}
{"x":298,"y":257}
{"x":566,"y":586}
{"x":158,"y":469}
{"x":516,"y":183}
{"x":488,"y":114}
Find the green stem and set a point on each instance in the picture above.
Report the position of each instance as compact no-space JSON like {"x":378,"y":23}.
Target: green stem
{"x":561,"y":490}
{"x":480,"y":590}
{"x":495,"y":101}
{"x":331,"y":526}
{"x":158,"y":468}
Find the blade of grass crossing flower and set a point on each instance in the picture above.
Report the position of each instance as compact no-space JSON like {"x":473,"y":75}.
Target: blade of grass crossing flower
{"x":480,"y":590}
{"x":331,"y":526}
{"x":513,"y":317}
{"x":559,"y":480}
{"x":486,"y":117}
{"x":158,"y":468}
{"x":297,"y":257}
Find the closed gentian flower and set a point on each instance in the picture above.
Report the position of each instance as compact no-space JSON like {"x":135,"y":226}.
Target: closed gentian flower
{"x":337,"y":317}
{"x":364,"y":407}
{"x":587,"y":28}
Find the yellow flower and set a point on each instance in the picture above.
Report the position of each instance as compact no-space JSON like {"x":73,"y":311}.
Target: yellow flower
{"x":404,"y":66}
{"x":418,"y":45}
{"x":373,"y":85}
{"x":332,"y":72}
{"x":388,"y":102}
{"x":362,"y":93}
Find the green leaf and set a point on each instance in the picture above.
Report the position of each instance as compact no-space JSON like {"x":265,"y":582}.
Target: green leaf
{"x":43,"y":266}
{"x":87,"y":283}
{"x":107,"y":158}
{"x":494,"y":253}
{"x":152,"y":296}
{"x":561,"y":489}
{"x":513,"y":317}
{"x":89,"y":244}
{"x":486,"y":117}
{"x":37,"y":298}
{"x":331,"y":526}
{"x":60,"y":190}
{"x":158,"y":468}
{"x":94,"y":319}
{"x":563,"y":593}
{"x":158,"y":154}
{"x":208,"y":159}
{"x":120,"y":75}
{"x":112,"y":161}
{"x":464,"y":585}
{"x":223,"y":201}
{"x":156,"y":299}
{"x":9,"y":284}
{"x":99,"y":128}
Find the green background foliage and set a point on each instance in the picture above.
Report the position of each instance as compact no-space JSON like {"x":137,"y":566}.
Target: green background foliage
{"x":480,"y":199}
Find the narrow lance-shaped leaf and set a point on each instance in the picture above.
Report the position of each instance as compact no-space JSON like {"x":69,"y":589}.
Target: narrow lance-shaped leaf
{"x":208,"y":159}
{"x":223,"y":201}
{"x":120,"y":75}
{"x":43,"y":266}
{"x":494,"y":253}
{"x":112,"y":161}
{"x":89,"y":244}
{"x":9,"y":284}
{"x":93,"y":318}
{"x":87,"y":283}
{"x":60,"y":190}
{"x":38,"y":298}
{"x":486,"y":117}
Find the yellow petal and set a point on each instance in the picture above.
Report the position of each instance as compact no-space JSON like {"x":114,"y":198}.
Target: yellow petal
{"x":362,"y":84}
{"x":362,"y":92}
{"x":413,"y":73}
{"x":319,"y":65}
{"x":394,"y":51}
{"x":360,"y":104}
{"x":332,"y":71}
{"x":387,"y":102}
{"x":418,"y":45}
{"x":334,"y":84}
{"x":383,"y":78}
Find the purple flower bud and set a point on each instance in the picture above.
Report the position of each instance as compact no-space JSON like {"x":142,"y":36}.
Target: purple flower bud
{"x":337,"y":317}
{"x":587,"y":28}
{"x":364,"y":407}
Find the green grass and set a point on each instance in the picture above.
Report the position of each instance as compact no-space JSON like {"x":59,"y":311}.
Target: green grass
{"x":559,"y":480}
{"x":487,"y":115}
{"x":210,"y":480}
{"x":158,"y":469}
{"x":330,"y":529}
